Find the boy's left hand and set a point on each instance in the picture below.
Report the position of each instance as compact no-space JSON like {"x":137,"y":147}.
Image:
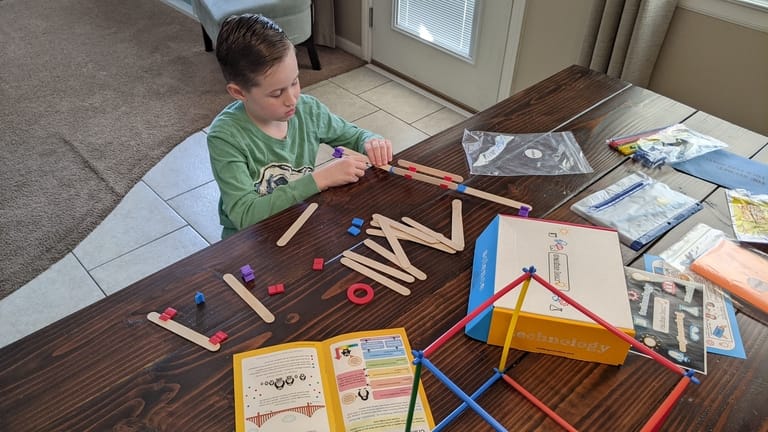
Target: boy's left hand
{"x":379,"y":151}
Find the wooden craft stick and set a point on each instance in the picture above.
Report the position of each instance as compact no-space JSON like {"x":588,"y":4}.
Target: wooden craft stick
{"x":377,"y":218}
{"x":431,"y":171}
{"x":249,"y":298}
{"x":403,"y":236}
{"x":378,"y":277}
{"x":457,"y":187}
{"x":184,"y":331}
{"x":394,"y":243}
{"x":457,"y":224}
{"x":384,"y":252}
{"x":297,"y":224}
{"x":405,"y":277}
{"x":441,"y":238}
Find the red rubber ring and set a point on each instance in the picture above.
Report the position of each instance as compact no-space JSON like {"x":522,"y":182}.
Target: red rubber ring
{"x":354,"y":288}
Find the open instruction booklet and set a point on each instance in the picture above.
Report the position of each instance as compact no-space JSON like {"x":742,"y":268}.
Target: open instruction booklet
{"x":352,"y":382}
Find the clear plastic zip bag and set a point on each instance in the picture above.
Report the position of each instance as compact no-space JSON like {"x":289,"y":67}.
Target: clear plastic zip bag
{"x":638,"y":207}
{"x":496,"y":154}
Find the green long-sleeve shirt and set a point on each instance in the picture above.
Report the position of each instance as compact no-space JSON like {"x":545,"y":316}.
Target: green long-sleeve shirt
{"x":259,"y":175}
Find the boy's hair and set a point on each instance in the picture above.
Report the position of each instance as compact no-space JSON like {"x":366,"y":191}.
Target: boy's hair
{"x":248,"y":46}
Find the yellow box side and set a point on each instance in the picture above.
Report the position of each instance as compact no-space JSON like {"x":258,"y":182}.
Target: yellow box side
{"x":566,"y":338}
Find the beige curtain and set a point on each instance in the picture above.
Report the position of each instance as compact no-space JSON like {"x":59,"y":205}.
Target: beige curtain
{"x":624,"y":37}
{"x":324,"y":26}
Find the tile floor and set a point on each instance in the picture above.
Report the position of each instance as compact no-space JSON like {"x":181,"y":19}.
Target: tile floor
{"x":171,"y":213}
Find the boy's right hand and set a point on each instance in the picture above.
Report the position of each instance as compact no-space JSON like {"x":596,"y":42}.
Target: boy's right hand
{"x":339,"y":172}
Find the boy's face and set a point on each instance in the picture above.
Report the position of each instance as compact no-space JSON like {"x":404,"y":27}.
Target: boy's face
{"x":274,"y":99}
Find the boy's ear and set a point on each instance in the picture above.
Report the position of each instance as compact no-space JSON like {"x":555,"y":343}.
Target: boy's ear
{"x":235,"y":91}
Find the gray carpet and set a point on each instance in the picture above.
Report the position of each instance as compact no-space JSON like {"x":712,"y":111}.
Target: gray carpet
{"x":93,"y":93}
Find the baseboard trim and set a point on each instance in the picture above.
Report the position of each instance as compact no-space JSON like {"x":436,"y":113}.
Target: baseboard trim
{"x":350,"y":47}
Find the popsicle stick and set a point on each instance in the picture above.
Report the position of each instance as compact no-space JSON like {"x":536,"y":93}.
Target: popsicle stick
{"x":410,"y":234}
{"x":249,"y":298}
{"x":394,"y":243}
{"x":403,"y":236}
{"x":184,"y":331}
{"x":457,"y":224}
{"x":431,"y":171}
{"x":441,"y":238}
{"x":384,"y":252}
{"x":405,"y":277}
{"x":378,"y":277}
{"x":425,"y":237}
{"x":282,"y":241}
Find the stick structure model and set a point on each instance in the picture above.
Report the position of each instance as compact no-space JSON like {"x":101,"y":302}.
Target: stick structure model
{"x":184,"y":331}
{"x":411,"y":166}
{"x":457,"y":187}
{"x":443,"y":179}
{"x":249,"y":298}
{"x":297,"y":225}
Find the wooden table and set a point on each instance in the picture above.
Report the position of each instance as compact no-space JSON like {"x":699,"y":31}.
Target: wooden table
{"x":107,"y":367}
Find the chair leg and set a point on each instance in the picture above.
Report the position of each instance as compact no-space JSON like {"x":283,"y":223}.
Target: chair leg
{"x":207,"y":41}
{"x":313,"y":57}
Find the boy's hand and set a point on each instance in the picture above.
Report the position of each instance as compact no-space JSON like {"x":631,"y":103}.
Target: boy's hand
{"x":379,"y":151}
{"x":339,"y":172}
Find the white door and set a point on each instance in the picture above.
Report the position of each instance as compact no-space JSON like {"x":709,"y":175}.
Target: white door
{"x":463,"y":60}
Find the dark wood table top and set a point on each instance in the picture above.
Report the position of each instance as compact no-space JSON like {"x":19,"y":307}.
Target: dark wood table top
{"x":107,"y":367}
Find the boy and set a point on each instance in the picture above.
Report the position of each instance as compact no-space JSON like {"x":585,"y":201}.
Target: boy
{"x":263,"y":146}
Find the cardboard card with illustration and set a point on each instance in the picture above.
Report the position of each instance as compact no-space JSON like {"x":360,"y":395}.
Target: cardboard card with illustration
{"x":668,"y":316}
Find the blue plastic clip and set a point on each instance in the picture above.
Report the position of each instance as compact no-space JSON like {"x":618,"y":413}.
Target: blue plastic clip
{"x":199,"y":298}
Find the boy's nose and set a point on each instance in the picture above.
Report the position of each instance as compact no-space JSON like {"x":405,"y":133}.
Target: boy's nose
{"x":291,"y":98}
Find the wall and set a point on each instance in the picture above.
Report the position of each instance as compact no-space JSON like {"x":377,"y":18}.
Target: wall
{"x":348,"y":17}
{"x":708,"y":63}
{"x":717,"y":67}
{"x":553,"y":31}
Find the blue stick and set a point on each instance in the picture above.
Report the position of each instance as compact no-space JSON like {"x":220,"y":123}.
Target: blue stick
{"x":463,"y":396}
{"x":452,"y":416}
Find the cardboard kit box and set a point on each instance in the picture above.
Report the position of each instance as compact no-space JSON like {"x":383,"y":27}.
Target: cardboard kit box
{"x":582,"y":261}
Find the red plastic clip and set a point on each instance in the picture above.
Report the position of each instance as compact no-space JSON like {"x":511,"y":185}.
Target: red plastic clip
{"x":218,"y":337}
{"x":317,"y":264}
{"x":412,"y":168}
{"x":443,"y":185}
{"x":448,"y":178}
{"x":408,"y":176}
{"x":169,"y":313}
{"x":276,"y":289}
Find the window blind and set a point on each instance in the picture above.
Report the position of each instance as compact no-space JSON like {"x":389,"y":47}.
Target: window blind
{"x":448,"y":24}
